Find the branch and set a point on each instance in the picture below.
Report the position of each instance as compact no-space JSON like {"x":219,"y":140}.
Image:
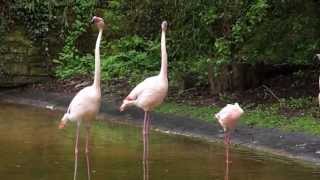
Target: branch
{"x":271,"y":92}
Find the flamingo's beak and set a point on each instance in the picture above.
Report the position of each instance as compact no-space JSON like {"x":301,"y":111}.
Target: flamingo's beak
{"x":62,"y":125}
{"x":92,"y":20}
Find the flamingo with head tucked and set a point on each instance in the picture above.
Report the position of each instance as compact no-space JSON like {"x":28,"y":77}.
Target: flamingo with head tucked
{"x":228,"y":117}
{"x":151,"y":92}
{"x":86,"y":104}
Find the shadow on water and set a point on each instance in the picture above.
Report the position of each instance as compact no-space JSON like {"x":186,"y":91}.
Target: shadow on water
{"x":32,"y":148}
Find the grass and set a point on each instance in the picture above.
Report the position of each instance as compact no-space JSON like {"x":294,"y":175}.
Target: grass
{"x":292,"y":115}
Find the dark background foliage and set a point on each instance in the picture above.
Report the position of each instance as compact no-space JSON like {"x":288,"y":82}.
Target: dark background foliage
{"x":208,"y":40}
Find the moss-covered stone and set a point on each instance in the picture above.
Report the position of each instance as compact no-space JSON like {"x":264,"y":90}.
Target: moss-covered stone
{"x":21,"y":60}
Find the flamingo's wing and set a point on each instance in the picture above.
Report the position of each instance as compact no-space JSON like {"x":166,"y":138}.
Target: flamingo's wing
{"x":224,"y":112}
{"x":139,"y":88}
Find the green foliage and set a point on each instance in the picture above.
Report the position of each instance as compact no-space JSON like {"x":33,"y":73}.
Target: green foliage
{"x":70,"y":61}
{"x":77,"y":64}
{"x":300,"y":103}
{"x":114,"y":16}
{"x":288,"y":34}
{"x":202,"y":35}
{"x":131,"y":58}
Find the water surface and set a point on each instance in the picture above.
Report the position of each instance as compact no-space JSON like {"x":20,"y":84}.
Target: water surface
{"x":32,"y":148}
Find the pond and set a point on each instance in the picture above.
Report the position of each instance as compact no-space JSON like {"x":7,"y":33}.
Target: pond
{"x":33,"y":148}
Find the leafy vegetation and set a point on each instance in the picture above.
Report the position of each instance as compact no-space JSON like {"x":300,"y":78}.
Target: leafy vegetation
{"x":204,"y":36}
{"x":131,"y":57}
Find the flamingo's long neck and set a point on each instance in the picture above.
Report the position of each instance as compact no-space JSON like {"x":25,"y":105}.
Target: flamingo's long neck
{"x":164,"y":56}
{"x":97,"y":71}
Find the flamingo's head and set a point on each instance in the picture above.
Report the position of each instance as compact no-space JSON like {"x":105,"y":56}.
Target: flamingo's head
{"x":98,"y":21}
{"x":164,"y":25}
{"x":63,"y":121}
{"x":62,"y":125}
{"x":317,"y":57}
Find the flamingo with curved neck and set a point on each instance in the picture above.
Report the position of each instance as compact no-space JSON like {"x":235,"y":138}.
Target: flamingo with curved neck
{"x":86,"y":104}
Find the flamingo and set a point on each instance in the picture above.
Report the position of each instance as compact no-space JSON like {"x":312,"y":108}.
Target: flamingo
{"x":86,"y":104}
{"x":151,"y":92}
{"x":228,"y":117}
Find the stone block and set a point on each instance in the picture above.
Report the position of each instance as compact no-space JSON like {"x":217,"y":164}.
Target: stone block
{"x":17,"y":68}
{"x":38,"y":71}
{"x":18,"y":49}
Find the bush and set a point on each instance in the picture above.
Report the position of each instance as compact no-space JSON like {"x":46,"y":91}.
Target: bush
{"x":131,"y":58}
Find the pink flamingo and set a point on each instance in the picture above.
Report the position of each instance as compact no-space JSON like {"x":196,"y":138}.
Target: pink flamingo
{"x":86,"y":104}
{"x":228,"y":117}
{"x":151,"y":92}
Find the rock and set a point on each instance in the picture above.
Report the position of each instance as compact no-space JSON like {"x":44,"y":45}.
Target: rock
{"x":21,"y":61}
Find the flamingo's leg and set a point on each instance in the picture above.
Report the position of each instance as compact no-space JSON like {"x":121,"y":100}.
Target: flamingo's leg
{"x":145,"y":177}
{"x":147,"y":135}
{"x":87,"y":151}
{"x":147,"y":146}
{"x":227,"y":144}
{"x":76,"y":150}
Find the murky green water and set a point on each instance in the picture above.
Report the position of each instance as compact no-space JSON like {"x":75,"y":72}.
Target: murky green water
{"x":32,"y":148}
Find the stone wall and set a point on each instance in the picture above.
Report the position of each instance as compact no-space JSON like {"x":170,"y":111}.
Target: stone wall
{"x":21,"y":61}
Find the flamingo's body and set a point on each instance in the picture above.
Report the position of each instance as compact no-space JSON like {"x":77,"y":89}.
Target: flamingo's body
{"x":229,"y":115}
{"x":149,"y":94}
{"x":86,"y":104}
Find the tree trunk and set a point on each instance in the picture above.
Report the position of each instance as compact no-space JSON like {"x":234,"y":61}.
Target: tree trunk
{"x":235,"y":77}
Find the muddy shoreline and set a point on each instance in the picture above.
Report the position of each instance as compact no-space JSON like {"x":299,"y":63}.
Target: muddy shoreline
{"x":296,"y":146}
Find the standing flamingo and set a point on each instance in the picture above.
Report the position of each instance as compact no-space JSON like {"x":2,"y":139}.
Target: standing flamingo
{"x":228,"y":117}
{"x":86,"y":104}
{"x":150,"y":92}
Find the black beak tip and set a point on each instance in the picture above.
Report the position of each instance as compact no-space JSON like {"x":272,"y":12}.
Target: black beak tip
{"x":92,"y":20}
